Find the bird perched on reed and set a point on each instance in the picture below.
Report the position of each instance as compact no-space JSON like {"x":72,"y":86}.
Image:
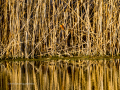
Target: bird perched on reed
{"x":62,"y":32}
{"x":62,"y":26}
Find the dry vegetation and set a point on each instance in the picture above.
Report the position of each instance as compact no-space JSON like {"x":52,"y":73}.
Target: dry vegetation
{"x":31,"y":28}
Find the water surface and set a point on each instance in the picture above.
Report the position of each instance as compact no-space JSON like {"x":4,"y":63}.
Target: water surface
{"x":60,"y":75}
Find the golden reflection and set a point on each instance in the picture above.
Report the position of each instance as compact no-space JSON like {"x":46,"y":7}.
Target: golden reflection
{"x":60,"y":75}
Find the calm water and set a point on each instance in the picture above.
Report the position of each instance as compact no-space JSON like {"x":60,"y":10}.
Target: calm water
{"x":60,"y":75}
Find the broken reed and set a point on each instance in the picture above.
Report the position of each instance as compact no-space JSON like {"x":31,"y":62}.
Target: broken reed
{"x":30,"y":28}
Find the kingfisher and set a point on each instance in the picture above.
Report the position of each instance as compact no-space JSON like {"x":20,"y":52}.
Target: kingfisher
{"x":62,"y":26}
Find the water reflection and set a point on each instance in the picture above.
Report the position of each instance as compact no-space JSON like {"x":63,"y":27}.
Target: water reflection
{"x":60,"y":75}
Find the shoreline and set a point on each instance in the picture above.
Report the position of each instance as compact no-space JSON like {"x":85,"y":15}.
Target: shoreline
{"x":62,"y":58}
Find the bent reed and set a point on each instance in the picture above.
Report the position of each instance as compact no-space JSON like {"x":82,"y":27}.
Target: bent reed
{"x":31,"y":28}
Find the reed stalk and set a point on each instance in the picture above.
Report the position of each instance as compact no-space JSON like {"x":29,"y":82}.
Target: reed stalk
{"x":32,"y":28}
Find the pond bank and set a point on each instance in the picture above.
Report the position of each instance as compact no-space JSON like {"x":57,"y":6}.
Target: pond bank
{"x":65,"y":58}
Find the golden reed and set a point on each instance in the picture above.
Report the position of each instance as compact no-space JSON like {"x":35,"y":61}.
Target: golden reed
{"x":31,"y":28}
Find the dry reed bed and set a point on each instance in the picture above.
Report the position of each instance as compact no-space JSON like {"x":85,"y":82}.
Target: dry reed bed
{"x":30,"y":28}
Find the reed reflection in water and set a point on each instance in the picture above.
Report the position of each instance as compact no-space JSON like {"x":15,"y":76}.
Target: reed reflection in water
{"x":60,"y":75}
